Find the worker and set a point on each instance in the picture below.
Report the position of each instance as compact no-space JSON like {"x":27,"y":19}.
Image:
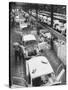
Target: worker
{"x":19,"y":57}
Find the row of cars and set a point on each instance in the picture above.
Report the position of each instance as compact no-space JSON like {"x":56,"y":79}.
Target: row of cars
{"x":22,"y":19}
{"x":57,"y":25}
{"x":37,"y":63}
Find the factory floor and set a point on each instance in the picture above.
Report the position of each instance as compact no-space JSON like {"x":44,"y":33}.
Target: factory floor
{"x":18,"y":72}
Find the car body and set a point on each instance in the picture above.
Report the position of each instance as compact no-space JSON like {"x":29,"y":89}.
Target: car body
{"x":22,"y":24}
{"x":17,"y":18}
{"x":38,"y":67}
{"x":45,"y":19}
{"x":49,"y":21}
{"x":40,"y":63}
{"x":41,"y":17}
{"x":29,"y":45}
{"x":58,"y":25}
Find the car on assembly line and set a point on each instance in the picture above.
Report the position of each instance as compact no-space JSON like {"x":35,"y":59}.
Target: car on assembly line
{"x":49,"y":20}
{"x":22,"y":24}
{"x":58,"y":25}
{"x":26,"y":15}
{"x":29,"y":45}
{"x":45,"y":19}
{"x":33,"y":12}
{"x":41,"y":17}
{"x":40,"y":67}
{"x":55,"y":23}
{"x":17,"y":18}
{"x":36,"y":67}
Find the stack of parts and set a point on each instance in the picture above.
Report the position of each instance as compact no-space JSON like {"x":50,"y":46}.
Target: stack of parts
{"x":60,"y":49}
{"x":43,"y":46}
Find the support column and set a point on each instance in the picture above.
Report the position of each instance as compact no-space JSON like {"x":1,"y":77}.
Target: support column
{"x":52,"y":16}
{"x":37,"y":18}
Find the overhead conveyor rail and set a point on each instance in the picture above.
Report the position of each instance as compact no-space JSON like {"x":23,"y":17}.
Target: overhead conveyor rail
{"x":56,"y":15}
{"x":54,"y":32}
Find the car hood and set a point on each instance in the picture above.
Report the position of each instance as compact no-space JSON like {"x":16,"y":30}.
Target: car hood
{"x":40,"y":65}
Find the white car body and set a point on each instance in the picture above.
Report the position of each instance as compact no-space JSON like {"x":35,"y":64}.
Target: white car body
{"x":29,"y":43}
{"x":17,"y":18}
{"x":41,"y":17}
{"x":38,"y":66}
{"x":28,"y":37}
{"x":23,"y":25}
{"x":58,"y":25}
{"x":49,"y":21}
{"x":45,"y":19}
{"x":26,"y":15}
{"x":55,"y":22}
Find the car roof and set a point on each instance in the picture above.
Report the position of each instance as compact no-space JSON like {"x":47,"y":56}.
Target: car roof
{"x":28,"y":37}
